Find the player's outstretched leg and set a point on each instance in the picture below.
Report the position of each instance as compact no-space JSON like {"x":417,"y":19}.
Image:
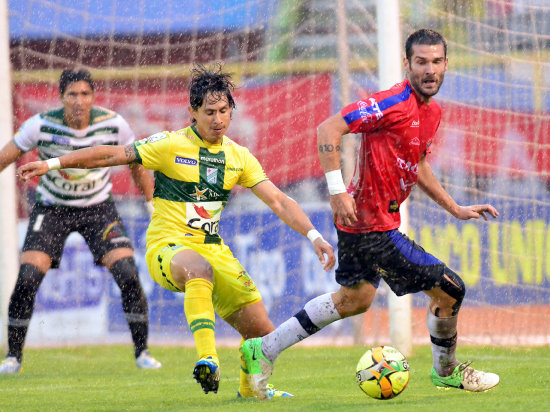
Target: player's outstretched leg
{"x":207,"y":373}
{"x":259,"y":367}
{"x":467,"y":378}
{"x":244,"y":387}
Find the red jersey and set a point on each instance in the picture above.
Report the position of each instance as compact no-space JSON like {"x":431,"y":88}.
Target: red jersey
{"x":397,"y":129}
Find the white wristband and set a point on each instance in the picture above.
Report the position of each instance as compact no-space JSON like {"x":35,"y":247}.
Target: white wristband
{"x":313,"y":235}
{"x":335,"y":182}
{"x":53,"y":163}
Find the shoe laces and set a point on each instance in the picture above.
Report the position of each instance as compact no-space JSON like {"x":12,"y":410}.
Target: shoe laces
{"x":469,"y":374}
{"x":464,"y":366}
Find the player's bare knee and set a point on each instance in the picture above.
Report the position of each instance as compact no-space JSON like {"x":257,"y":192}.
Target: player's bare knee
{"x":203,"y":270}
{"x":188,"y":265}
{"x":351,"y":301}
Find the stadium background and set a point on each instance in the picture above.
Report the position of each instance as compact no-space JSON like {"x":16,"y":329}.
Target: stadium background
{"x":493,"y":146}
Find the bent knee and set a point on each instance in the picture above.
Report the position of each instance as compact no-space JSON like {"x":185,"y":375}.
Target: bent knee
{"x":451,"y":294}
{"x":188,"y":264}
{"x":353,"y":301}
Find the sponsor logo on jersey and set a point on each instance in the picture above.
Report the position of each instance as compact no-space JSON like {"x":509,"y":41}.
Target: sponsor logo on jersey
{"x":212,"y":160}
{"x":141,"y":142}
{"x":204,"y":216}
{"x":407,"y":166}
{"x":370,"y":112}
{"x":234,"y":169}
{"x":212,"y":175}
{"x":405,"y":185}
{"x":415,"y":142}
{"x":394,"y":206}
{"x":69,"y":186}
{"x":206,"y":193}
{"x":199,"y":194}
{"x":182,"y":133}
{"x":185,"y":161}
{"x":415,"y":123}
{"x":157,"y":136}
{"x":60,"y":140}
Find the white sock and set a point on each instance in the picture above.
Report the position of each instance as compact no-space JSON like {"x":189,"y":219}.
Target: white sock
{"x":316,"y":314}
{"x":443,"y":337}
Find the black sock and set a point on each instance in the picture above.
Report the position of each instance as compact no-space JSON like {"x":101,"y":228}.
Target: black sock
{"x":21,"y":308}
{"x":134,"y":302}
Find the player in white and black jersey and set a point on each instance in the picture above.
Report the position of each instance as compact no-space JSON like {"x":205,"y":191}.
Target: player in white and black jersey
{"x":74,"y":200}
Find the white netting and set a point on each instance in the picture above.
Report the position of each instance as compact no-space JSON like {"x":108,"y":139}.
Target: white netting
{"x":493,"y":143}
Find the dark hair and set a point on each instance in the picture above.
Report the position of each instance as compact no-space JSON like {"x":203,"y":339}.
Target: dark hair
{"x":215,"y":82}
{"x":69,"y":76}
{"x":424,"y":36}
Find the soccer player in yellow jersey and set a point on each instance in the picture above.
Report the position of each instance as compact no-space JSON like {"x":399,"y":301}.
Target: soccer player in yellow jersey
{"x":195,"y":170}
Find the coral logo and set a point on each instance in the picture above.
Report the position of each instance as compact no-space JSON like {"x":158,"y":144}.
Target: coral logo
{"x":205,"y":213}
{"x":201,"y":218}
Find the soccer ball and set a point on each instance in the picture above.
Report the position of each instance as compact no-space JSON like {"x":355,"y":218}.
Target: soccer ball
{"x":383,"y":372}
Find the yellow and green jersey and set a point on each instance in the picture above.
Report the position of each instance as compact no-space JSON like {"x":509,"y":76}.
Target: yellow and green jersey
{"x":193,"y":180}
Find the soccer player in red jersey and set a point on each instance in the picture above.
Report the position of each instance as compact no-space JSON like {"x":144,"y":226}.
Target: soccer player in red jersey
{"x":397,"y":127}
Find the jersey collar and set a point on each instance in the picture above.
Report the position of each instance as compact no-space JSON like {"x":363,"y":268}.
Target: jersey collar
{"x":194,"y":128}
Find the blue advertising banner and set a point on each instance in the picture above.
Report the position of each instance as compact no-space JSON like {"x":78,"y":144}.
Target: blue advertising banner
{"x":503,"y":262}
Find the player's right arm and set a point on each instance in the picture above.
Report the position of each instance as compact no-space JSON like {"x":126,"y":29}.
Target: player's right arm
{"x":329,"y":144}
{"x":9,"y":154}
{"x":88,"y":158}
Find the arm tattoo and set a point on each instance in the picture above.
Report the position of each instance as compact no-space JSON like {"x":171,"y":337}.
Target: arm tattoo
{"x":129,"y":153}
{"x":328,"y":148}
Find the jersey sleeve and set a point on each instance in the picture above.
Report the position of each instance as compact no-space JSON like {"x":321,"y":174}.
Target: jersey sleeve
{"x":363,"y":116}
{"x":152,"y":151}
{"x":253,"y":173}
{"x":27,"y":136}
{"x":126,"y":135}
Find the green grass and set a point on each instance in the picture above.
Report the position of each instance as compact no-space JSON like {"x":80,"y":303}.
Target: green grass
{"x":322,"y":379}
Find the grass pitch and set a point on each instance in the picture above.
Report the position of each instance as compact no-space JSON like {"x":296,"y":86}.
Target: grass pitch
{"x":105,"y":378}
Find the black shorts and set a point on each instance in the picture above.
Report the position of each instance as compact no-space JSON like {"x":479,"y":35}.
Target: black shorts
{"x":391,"y":255}
{"x":100,"y":225}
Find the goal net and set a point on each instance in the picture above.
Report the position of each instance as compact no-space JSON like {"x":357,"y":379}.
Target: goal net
{"x":286,"y":56}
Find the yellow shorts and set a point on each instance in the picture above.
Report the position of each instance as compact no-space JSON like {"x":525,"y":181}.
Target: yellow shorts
{"x":233,"y":287}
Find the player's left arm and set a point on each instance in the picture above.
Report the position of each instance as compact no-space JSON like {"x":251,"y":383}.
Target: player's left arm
{"x":431,"y":186}
{"x":290,"y":212}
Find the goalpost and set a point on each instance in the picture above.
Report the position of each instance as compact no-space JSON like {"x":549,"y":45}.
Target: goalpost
{"x":492,"y":146}
{"x":9,"y":256}
{"x":390,"y":55}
